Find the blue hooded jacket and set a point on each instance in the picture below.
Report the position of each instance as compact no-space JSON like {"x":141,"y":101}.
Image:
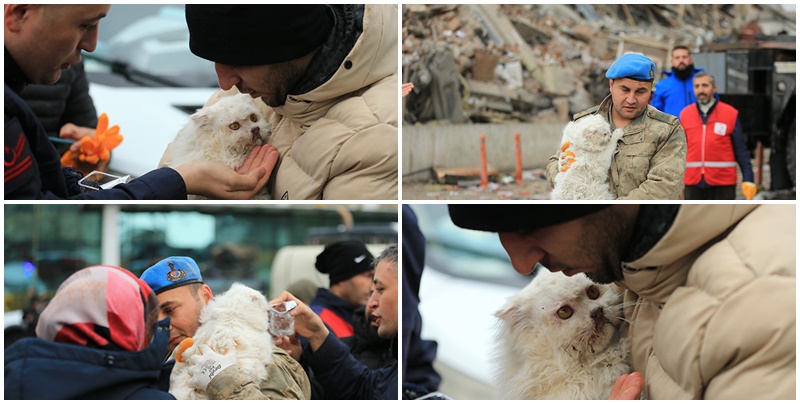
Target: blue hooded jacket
{"x":36,"y":369}
{"x":672,"y":94}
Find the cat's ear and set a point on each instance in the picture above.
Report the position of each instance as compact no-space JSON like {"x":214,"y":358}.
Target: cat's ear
{"x":511,"y":314}
{"x":200,"y":118}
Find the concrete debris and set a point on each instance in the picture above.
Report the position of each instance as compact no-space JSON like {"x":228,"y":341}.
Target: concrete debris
{"x":543,"y":63}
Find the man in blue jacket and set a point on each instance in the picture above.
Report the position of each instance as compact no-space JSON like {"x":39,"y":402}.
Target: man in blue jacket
{"x":674,"y":92}
{"x":335,"y":368}
{"x":42,"y":39}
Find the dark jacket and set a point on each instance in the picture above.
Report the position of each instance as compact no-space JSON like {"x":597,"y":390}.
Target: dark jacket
{"x":672,"y":94}
{"x":36,"y":369}
{"x":366,"y":345}
{"x":344,"y":377}
{"x":419,"y":376}
{"x":334,"y":311}
{"x":67,"y":101}
{"x":33,"y":167}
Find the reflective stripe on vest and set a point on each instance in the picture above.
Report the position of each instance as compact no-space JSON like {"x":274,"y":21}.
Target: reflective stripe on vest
{"x":711,"y":164}
{"x":339,"y":326}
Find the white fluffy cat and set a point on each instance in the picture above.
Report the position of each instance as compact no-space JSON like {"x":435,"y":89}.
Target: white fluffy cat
{"x":594,"y":144}
{"x":225,"y":131}
{"x":559,"y":338}
{"x":240,"y":318}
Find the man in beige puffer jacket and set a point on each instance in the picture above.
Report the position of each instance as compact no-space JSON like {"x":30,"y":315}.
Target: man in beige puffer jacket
{"x":327,"y":76}
{"x":710,"y":289}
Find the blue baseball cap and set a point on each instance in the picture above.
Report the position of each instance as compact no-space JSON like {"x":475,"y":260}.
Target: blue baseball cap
{"x":633,"y":66}
{"x":172,"y":272}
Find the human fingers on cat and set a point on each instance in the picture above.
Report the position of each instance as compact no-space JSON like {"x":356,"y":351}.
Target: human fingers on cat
{"x":291,"y":345}
{"x":628,"y":387}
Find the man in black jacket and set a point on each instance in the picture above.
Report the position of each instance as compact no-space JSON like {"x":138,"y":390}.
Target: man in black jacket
{"x":41,"y":40}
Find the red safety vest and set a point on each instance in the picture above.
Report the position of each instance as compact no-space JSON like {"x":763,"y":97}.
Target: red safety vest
{"x":709,"y":149}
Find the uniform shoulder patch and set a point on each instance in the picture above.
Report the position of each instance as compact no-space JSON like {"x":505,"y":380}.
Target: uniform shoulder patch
{"x":652,"y":112}
{"x":589,"y":111}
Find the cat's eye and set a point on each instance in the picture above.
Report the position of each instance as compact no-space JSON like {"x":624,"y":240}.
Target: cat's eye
{"x":253,"y":117}
{"x":592,"y":292}
{"x":234,"y":126}
{"x":564,"y":312}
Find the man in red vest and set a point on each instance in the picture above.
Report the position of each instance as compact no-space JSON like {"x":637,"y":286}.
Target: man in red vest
{"x":349,"y":265}
{"x":715,"y":144}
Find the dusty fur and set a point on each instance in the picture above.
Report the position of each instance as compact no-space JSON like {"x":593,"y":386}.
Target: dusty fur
{"x":594,"y":144}
{"x":225,"y":132}
{"x":542,"y":356}
{"x":238,"y":317}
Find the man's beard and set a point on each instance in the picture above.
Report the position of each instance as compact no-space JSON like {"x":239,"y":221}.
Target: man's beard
{"x":685,"y":73}
{"x":606,"y":237}
{"x":283,"y":79}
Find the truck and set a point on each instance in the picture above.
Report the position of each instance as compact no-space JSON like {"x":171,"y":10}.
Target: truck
{"x":758,"y":78}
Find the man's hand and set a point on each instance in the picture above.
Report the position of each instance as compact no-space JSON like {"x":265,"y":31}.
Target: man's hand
{"x":407,"y":87}
{"x":74,"y":132}
{"x":291,"y":345}
{"x":566,"y":158}
{"x":207,"y":364}
{"x":306,"y":323}
{"x":628,"y":387}
{"x":214,"y":180}
{"x":749,"y":190}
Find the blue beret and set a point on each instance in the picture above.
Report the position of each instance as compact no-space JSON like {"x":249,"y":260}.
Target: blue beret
{"x":172,"y":272}
{"x":632,"y":66}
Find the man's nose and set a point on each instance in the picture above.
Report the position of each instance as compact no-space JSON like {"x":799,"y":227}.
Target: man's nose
{"x":226,"y":76}
{"x":89,"y":41}
{"x":523,"y":252}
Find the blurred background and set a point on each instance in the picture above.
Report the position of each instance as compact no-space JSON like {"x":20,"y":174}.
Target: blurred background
{"x":265,"y":247}
{"x":467,"y":278}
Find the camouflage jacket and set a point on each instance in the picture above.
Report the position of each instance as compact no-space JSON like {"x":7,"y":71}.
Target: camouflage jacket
{"x":287,"y":381}
{"x":650,"y":159}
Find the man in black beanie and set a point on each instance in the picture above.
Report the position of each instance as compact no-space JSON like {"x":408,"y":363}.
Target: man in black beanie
{"x":692,"y":276}
{"x":327,"y":76}
{"x":349,"y":266}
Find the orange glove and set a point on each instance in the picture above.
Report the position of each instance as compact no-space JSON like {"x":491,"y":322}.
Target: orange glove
{"x":184,"y":345}
{"x":567,"y":157}
{"x":749,"y":190}
{"x":95,"y":148}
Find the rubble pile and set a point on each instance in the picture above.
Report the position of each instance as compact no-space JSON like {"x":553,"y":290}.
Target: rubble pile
{"x":543,"y":63}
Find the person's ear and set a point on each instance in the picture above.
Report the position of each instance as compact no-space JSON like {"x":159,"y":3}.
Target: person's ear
{"x":205,"y":294}
{"x":15,"y":15}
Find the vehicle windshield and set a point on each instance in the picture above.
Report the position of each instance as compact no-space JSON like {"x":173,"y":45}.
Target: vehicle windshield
{"x":464,"y":253}
{"x":147,"y":45}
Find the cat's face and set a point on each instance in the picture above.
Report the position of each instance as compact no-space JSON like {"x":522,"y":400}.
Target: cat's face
{"x":572,"y":314}
{"x":233,"y":122}
{"x":595,"y":130}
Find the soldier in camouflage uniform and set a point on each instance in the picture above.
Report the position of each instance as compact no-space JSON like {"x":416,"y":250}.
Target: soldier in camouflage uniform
{"x":651,"y":156}
{"x":181,"y":293}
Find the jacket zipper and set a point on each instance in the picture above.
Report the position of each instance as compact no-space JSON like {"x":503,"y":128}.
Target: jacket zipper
{"x":703,"y":152}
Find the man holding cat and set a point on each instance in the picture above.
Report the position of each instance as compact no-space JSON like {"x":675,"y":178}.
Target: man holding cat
{"x":327,"y":76}
{"x":182,"y":295}
{"x":42,"y":39}
{"x":693,"y":274}
{"x":651,"y":156}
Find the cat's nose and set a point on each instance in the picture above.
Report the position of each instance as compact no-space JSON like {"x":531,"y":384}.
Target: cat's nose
{"x":597,"y":315}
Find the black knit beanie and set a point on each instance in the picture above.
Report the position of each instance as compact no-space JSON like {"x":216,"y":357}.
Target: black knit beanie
{"x":344,"y":260}
{"x":256,"y":34}
{"x":508,"y":218}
